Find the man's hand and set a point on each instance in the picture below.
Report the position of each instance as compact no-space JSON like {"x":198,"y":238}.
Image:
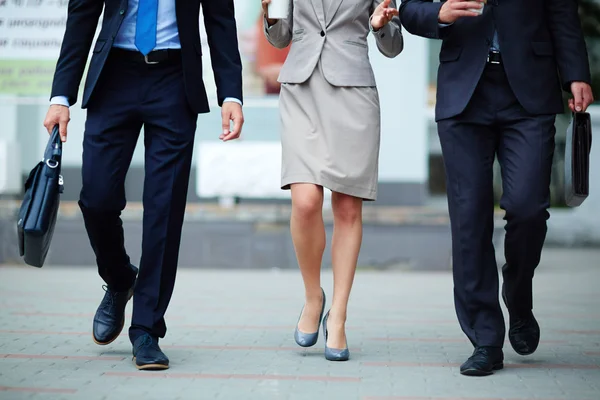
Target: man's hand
{"x":231,"y":111}
{"x":58,"y":115}
{"x":382,"y":15}
{"x":582,"y":96}
{"x":454,"y":9}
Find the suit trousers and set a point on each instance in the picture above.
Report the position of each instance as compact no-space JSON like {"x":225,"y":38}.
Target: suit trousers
{"x":131,"y":95}
{"x":495,"y":124}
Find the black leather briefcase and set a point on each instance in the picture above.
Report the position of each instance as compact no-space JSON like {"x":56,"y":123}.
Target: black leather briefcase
{"x":577,"y":159}
{"x":37,"y":216}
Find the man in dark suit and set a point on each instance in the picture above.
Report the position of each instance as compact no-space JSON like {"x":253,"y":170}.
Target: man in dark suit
{"x":498,"y":93}
{"x":146,"y":70}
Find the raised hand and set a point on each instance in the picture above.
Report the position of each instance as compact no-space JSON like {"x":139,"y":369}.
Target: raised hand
{"x":382,"y":15}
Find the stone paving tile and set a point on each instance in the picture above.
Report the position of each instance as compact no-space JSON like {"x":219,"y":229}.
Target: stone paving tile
{"x":230,"y":337}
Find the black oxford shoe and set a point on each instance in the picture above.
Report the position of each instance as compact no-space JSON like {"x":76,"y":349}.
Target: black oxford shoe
{"x":483,"y":362}
{"x":110,"y":316}
{"x":524,"y":335}
{"x":147,"y":355}
{"x":523,"y":331}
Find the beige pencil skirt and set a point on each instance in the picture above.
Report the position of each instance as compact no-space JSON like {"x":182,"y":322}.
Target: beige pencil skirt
{"x":330,"y":136}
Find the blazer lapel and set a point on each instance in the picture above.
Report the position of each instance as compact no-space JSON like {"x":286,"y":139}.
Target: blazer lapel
{"x":319,"y":11}
{"x":334,"y":5}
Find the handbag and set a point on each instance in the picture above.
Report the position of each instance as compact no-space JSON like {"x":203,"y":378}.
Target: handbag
{"x":39,"y":209}
{"x":577,"y":159}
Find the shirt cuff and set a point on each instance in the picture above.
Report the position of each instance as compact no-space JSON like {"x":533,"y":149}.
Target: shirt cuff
{"x":371,"y":27}
{"x":232,"y":100}
{"x":60,"y":100}
{"x":443,"y":25}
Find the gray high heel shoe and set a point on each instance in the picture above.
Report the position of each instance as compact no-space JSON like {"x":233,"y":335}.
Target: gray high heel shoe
{"x":334,"y":354}
{"x":309,"y":339}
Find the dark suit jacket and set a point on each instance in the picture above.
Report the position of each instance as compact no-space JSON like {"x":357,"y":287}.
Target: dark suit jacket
{"x":83,"y":16}
{"x":541,"y":43}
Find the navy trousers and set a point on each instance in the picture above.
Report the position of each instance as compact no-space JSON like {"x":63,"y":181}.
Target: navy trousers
{"x":130,"y":95}
{"x":495,"y":124}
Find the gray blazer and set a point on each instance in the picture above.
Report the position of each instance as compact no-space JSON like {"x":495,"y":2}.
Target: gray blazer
{"x":337,"y":36}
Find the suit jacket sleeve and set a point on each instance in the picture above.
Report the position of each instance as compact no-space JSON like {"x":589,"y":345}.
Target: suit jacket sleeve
{"x":221,"y":32}
{"x":82,"y":21}
{"x":389,"y":38}
{"x":569,"y":45}
{"x":280,"y":34}
{"x":420,"y":17}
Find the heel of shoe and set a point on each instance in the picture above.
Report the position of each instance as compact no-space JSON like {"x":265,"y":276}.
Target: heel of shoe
{"x":333,"y":354}
{"x":309,"y":339}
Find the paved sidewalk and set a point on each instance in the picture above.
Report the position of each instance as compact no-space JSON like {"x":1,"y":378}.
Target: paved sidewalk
{"x":230,"y":337}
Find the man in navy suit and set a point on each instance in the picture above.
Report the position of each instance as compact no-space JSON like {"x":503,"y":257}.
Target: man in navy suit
{"x":146,"y":70}
{"x":498,"y":92}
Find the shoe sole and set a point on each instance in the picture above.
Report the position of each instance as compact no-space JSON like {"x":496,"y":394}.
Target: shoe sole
{"x":306,"y":346}
{"x":477,"y":372}
{"x":337,"y":359}
{"x":118,"y":333}
{"x":150,"y":367}
{"x":521,"y":353}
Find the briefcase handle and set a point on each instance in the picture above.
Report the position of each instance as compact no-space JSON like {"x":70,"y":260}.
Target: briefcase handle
{"x":53,"y":152}
{"x":583,"y":118}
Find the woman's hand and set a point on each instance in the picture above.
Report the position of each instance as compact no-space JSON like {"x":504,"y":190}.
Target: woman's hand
{"x":381,"y":16}
{"x":265,"y":8}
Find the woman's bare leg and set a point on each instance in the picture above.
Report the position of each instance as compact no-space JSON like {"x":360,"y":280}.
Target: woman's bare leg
{"x":347,"y":239}
{"x":308,"y":235}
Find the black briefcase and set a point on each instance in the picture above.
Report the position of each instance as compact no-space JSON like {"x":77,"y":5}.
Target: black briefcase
{"x":37,"y":216}
{"x":577,"y":159}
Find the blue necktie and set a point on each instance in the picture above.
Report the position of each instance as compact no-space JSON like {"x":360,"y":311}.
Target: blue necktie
{"x":495,"y":42}
{"x":145,"y":26}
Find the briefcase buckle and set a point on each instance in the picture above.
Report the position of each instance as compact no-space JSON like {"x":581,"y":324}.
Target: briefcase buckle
{"x":51,"y":163}
{"x":147,"y":61}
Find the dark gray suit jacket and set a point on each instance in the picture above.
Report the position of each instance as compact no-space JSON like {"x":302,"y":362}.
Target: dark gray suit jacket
{"x":542,"y":50}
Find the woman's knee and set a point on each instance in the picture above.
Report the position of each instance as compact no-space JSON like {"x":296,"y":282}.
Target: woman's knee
{"x":307,"y":200}
{"x":346,"y":209}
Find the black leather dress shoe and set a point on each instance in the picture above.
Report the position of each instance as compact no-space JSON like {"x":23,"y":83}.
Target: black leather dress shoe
{"x":483,"y":362}
{"x":524,"y":335}
{"x":110,"y":316}
{"x":147,"y":355}
{"x":523,"y":331}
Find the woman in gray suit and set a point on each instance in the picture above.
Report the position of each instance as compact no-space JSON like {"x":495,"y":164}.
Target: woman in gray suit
{"x":330,"y":139}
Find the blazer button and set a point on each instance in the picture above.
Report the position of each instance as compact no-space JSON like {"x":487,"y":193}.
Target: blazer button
{"x":121,"y":12}
{"x":322,"y":33}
